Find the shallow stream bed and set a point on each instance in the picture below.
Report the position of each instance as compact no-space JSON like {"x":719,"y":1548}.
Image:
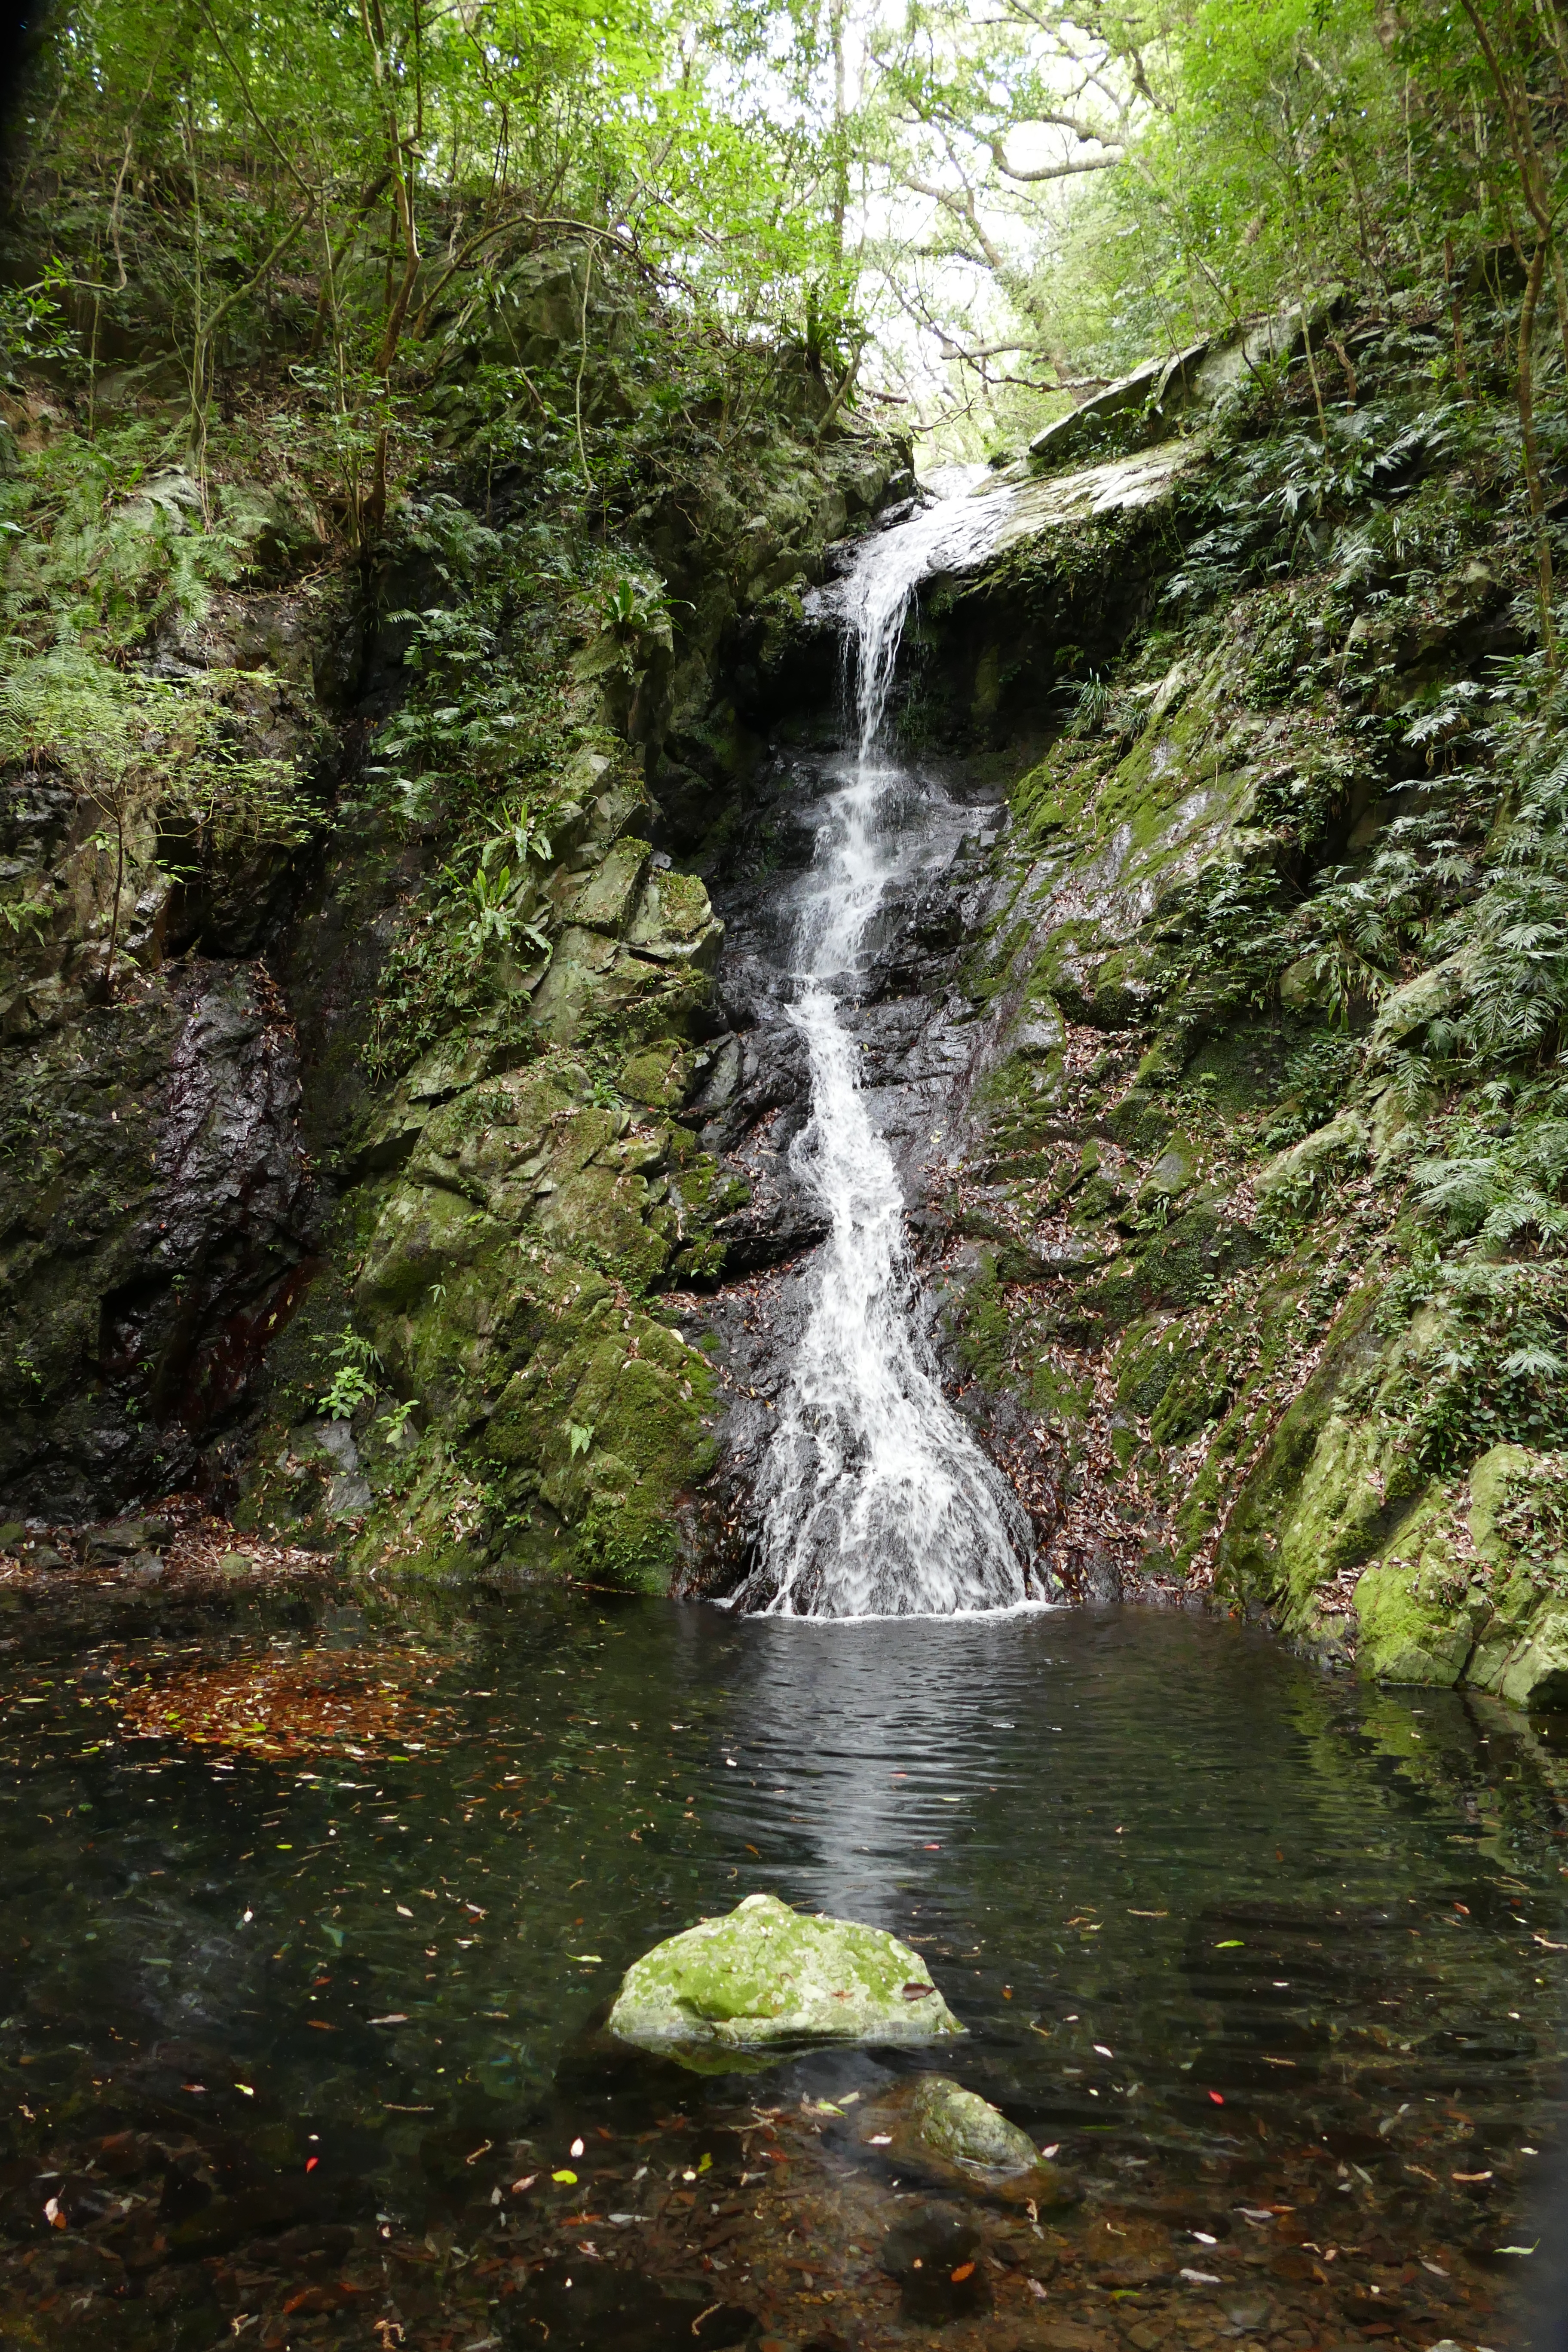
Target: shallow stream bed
{"x":309,"y":1909}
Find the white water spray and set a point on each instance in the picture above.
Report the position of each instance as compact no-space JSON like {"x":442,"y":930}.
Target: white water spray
{"x":875,"y":1498}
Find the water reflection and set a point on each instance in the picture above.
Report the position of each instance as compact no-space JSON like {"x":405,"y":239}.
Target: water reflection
{"x":1221,"y":1929}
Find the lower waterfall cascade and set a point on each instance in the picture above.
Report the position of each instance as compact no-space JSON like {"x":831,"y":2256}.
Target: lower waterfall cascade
{"x":875,"y":1498}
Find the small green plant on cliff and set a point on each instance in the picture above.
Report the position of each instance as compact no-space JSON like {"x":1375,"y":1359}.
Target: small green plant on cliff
{"x":629,"y":603}
{"x":351,"y":1384}
{"x":21,"y":916}
{"x":492,"y":919}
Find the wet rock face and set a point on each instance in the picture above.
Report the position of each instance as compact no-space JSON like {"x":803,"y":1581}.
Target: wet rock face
{"x":153,"y":1235}
{"x":915,"y":1033}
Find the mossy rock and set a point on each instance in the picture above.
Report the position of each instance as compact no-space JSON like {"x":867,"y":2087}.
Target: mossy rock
{"x":605,"y":898}
{"x":1139,"y":1122}
{"x":1174,"y":1173}
{"x":1147,"y":1362}
{"x":933,"y":2126}
{"x":607,"y":1423}
{"x":1503,"y":1476}
{"x":676,"y":923}
{"x":1298,"y":1518}
{"x":766,"y":1975}
{"x":1319,"y":1159}
{"x":1174,"y":1268}
{"x":1536,"y":1673}
{"x":1415,"y":1622}
{"x":658,"y":1074}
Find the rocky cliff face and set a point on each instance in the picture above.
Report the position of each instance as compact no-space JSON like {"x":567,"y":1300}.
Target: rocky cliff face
{"x":1250,"y":1234}
{"x":344,"y":1169}
{"x":419,"y":1182}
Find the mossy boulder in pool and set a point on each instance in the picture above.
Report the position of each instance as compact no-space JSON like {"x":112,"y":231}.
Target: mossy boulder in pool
{"x":766,"y":1974}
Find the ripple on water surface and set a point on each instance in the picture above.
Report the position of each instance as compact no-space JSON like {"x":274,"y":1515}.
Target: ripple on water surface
{"x":297,"y":2045}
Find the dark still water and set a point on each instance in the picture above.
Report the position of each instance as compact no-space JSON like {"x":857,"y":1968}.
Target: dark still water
{"x":297,"y":2045}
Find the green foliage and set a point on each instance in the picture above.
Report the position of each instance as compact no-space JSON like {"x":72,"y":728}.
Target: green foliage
{"x":1500,"y":1181}
{"x":1534,"y":1519}
{"x":1314,"y":1082}
{"x":703,"y":163}
{"x":33,"y":326}
{"x":1273,"y":502}
{"x":351,"y":1384}
{"x":137,"y":745}
{"x":109,"y":546}
{"x":22,"y":915}
{"x":493,"y":919}
{"x":1488,"y":1363}
{"x":629,"y":603}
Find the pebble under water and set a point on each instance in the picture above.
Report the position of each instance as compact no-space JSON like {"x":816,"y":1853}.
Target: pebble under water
{"x":299,"y":2046}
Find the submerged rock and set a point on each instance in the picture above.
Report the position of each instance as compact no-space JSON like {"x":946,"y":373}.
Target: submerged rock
{"x":960,"y":2123}
{"x":766,"y":1974}
{"x":934,"y":2125}
{"x":936,"y":2258}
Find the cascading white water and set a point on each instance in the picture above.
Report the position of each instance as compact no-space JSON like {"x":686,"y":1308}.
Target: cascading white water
{"x":875,"y":1498}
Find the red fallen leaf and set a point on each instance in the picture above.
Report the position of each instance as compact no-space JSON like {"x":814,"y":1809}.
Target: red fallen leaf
{"x":918,"y":1992}
{"x":965,"y":2270}
{"x":1218,"y":2097}
{"x":330,"y":2297}
{"x":311,"y":2162}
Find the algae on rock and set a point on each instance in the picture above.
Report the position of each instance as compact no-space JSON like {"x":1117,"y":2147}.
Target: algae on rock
{"x":766,"y":1975}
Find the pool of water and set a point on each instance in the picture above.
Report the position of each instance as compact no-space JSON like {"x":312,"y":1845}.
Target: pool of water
{"x":297,"y":2045}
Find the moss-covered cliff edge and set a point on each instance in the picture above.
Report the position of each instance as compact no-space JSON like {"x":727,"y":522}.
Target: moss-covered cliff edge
{"x":1258,"y":1209}
{"x":354,"y":981}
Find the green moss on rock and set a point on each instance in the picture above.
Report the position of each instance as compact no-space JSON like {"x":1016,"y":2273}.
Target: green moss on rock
{"x":766,"y":1974}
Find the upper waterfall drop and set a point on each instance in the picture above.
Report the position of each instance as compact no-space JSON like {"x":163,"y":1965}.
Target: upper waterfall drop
{"x":874,"y":1500}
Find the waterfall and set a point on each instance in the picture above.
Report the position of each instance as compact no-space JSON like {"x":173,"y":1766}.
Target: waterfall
{"x":874,"y":1500}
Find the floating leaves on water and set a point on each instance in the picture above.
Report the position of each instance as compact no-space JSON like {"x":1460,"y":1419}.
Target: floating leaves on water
{"x":303,"y":1703}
